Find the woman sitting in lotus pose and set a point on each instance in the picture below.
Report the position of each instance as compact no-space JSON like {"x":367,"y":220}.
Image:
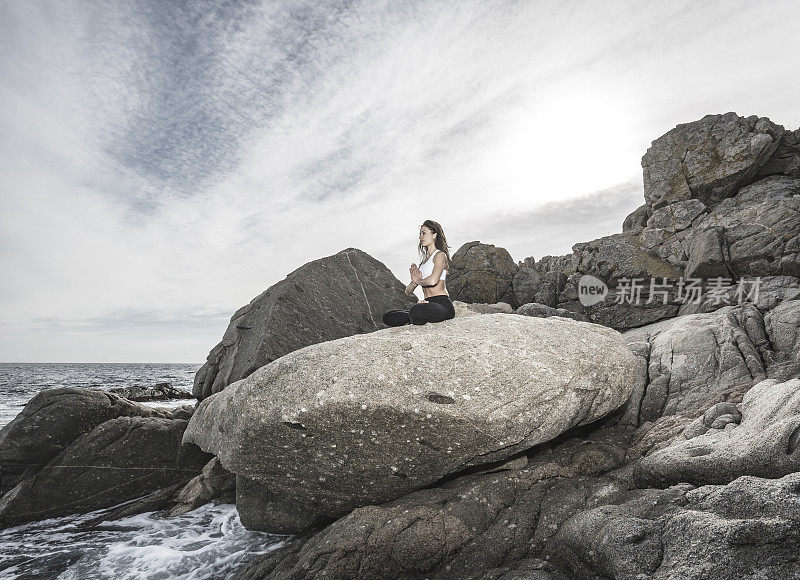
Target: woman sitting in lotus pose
{"x":436,"y":305}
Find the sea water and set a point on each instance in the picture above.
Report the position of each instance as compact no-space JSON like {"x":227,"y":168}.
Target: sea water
{"x":209,"y":542}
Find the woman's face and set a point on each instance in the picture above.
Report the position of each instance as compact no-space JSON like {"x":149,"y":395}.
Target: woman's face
{"x":426,"y":236}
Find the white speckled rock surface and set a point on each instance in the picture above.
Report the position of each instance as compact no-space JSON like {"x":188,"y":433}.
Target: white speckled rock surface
{"x":368,"y":418}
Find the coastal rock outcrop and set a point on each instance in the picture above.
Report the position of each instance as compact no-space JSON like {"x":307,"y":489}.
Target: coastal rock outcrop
{"x":99,"y":467}
{"x":51,"y":421}
{"x":369,"y":418}
{"x":466,"y":525}
{"x":158,"y":392}
{"x":325,"y":299}
{"x":748,"y":528}
{"x":690,"y":363}
{"x":766,"y":443}
{"x":722,"y":207}
{"x":709,"y":159}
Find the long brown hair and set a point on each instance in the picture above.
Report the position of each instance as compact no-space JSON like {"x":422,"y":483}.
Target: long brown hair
{"x":440,"y":241}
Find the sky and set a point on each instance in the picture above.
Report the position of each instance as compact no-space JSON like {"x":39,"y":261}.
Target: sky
{"x":162,"y":163}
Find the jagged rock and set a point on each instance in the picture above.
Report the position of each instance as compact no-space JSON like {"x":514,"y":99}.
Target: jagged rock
{"x":620,"y":255}
{"x":482,"y":273}
{"x":617,"y":259}
{"x":52,"y":420}
{"x":366,"y":419}
{"x":213,"y":482}
{"x":526,"y":285}
{"x":325,"y":299}
{"x":158,"y":392}
{"x":543,"y":311}
{"x":756,"y":232}
{"x":764,"y":444}
{"x":119,"y":460}
{"x":746,"y":529}
{"x":160,"y":499}
{"x":676,"y":216}
{"x":637,"y":219}
{"x":761,"y":228}
{"x":471,"y":524}
{"x":708,"y":255}
{"x":464,"y":309}
{"x":766,"y":293}
{"x":709,"y":159}
{"x":786,"y":159}
{"x":695,"y":361}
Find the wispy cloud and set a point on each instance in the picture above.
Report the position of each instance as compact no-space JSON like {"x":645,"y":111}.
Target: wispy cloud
{"x":163,"y":162}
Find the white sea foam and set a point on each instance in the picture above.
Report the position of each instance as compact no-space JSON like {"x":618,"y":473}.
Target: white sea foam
{"x":209,"y":542}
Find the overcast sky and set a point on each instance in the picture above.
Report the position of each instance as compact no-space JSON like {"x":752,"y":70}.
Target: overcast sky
{"x":164,"y":162}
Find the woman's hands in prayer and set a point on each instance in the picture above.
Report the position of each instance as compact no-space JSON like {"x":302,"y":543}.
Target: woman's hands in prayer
{"x":416,"y":275}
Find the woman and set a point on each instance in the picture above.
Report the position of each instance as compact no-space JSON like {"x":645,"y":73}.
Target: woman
{"x":436,"y":306}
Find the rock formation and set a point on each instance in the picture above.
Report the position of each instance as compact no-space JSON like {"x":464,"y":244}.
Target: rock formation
{"x":369,"y":418}
{"x":329,"y":298}
{"x":712,"y":406}
{"x":51,"y":421}
{"x":722,"y":201}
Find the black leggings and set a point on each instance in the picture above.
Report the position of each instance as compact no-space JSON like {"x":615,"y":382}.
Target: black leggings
{"x":437,"y":309}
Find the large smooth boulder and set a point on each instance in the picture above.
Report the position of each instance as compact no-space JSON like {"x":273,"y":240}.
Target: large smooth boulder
{"x":766,"y":443}
{"x":709,"y":159}
{"x":119,"y":460}
{"x":369,"y":418}
{"x":748,"y":528}
{"x":482,"y":273}
{"x":335,"y":296}
{"x":52,"y":420}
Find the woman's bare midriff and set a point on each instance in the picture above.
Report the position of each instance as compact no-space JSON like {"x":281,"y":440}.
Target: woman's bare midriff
{"x":439,"y":288}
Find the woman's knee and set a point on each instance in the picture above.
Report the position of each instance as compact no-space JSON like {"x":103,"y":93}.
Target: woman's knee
{"x":417,"y":314}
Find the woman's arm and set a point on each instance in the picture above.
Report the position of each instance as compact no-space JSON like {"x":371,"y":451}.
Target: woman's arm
{"x":438,"y":267}
{"x":410,"y":288}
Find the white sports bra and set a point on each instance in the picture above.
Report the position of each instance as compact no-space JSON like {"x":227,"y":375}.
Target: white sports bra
{"x":427,"y":267}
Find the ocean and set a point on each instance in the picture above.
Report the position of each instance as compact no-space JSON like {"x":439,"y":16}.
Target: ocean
{"x":209,"y":542}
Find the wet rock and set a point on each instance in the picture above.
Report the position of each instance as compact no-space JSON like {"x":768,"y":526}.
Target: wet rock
{"x":213,"y":482}
{"x":121,"y":459}
{"x":158,"y":392}
{"x":52,"y":420}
